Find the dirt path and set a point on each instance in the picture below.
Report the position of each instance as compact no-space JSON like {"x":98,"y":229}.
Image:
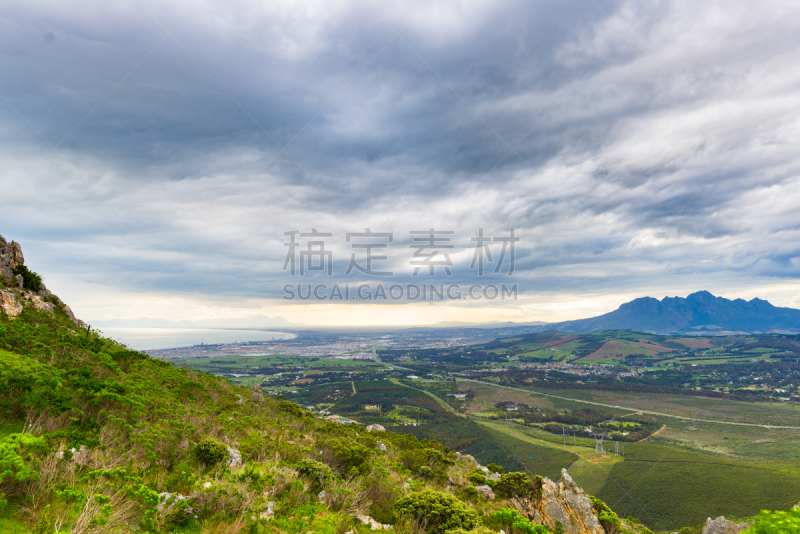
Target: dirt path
{"x":653,"y":434}
{"x":354,"y":387}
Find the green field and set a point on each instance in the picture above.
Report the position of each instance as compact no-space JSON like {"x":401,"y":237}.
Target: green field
{"x":662,"y":486}
{"x":687,"y":472}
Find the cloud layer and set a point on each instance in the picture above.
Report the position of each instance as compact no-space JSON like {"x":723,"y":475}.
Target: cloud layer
{"x":158,"y":149}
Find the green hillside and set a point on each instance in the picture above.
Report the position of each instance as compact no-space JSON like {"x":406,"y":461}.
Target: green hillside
{"x":95,"y":438}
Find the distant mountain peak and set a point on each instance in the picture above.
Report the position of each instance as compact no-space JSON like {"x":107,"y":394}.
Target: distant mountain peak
{"x":698,"y":311}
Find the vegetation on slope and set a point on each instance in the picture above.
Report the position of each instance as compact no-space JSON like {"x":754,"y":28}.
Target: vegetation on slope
{"x":96,"y":438}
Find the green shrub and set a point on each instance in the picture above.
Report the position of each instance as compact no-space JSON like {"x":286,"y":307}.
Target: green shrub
{"x":477,"y":477}
{"x":494,"y":468}
{"x":608,"y":519}
{"x":478,"y":530}
{"x":30,"y":280}
{"x":210,"y":452}
{"x":437,"y":511}
{"x":428,"y":462}
{"x":510,"y":520}
{"x":786,"y":522}
{"x":514,"y":485}
{"x":293,"y":409}
{"x":316,"y":471}
{"x":349,"y":457}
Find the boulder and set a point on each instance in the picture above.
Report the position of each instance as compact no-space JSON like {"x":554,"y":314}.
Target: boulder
{"x":373,"y":525}
{"x":721,"y":525}
{"x":494,"y":477}
{"x":376,"y":428}
{"x":269,"y":512}
{"x":485,"y":492}
{"x":234,"y":457}
{"x":563,"y":503}
{"x":10,"y":304}
{"x":381,"y":446}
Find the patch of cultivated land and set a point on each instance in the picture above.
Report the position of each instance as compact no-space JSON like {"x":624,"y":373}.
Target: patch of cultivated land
{"x":614,"y":349}
{"x":759,"y":413}
{"x":487,"y":396}
{"x":690,"y":470}
{"x":695,"y":343}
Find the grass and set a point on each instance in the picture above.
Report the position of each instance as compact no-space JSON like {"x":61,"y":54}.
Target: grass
{"x":536,"y":458}
{"x":10,"y":524}
{"x":668,"y":488}
{"x":688,"y":472}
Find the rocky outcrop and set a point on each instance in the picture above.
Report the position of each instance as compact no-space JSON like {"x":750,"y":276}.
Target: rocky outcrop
{"x":565,"y":503}
{"x":10,"y":257}
{"x":15,"y":298}
{"x":721,"y":525}
{"x":10,"y":304}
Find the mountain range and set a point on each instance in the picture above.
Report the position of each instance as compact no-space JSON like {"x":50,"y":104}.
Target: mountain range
{"x":699,"y":312}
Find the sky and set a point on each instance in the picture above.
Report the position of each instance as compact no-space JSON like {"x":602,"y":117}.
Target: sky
{"x":157,"y":155}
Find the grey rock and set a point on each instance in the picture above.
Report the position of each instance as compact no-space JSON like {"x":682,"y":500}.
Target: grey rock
{"x":20,"y":281}
{"x":373,"y":525}
{"x":376,"y":428}
{"x":269,"y":512}
{"x":381,"y":446}
{"x":485,"y":492}
{"x":234,"y":457}
{"x":494,"y":477}
{"x":563,"y":503}
{"x":721,"y":525}
{"x":10,"y":257}
{"x":567,"y":483}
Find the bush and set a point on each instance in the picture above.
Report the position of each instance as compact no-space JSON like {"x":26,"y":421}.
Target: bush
{"x":511,"y":520}
{"x":477,"y":477}
{"x":316,"y":471}
{"x":494,"y":468}
{"x":606,"y":516}
{"x":350,"y":457}
{"x":776,"y":523}
{"x":437,"y":511}
{"x":514,"y":485}
{"x":210,"y":452}
{"x":30,"y":280}
{"x":478,"y":530}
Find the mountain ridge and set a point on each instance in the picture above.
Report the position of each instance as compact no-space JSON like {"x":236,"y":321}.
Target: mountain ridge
{"x":700,"y":311}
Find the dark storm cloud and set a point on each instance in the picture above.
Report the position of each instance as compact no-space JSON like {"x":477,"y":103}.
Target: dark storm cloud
{"x":617,"y":137}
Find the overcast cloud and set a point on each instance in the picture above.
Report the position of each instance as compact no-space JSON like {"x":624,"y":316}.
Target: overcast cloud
{"x":156,"y":152}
